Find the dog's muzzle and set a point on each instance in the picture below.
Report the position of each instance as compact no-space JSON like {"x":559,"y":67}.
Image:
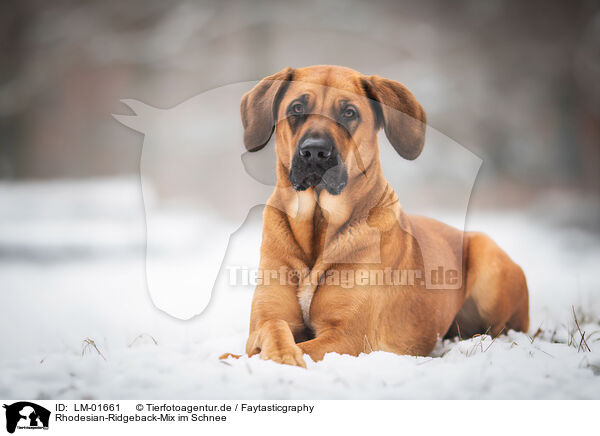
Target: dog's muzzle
{"x":317,"y":163}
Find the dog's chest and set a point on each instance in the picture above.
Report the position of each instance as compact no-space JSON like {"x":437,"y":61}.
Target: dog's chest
{"x":305,"y":295}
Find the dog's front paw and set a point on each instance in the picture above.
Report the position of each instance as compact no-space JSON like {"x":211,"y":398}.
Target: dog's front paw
{"x":289,"y":355}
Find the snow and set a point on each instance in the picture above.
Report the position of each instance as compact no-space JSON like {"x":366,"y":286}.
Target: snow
{"x":72,"y":267}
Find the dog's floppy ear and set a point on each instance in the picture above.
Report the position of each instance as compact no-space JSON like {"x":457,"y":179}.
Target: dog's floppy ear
{"x":402,"y":116}
{"x":259,"y":109}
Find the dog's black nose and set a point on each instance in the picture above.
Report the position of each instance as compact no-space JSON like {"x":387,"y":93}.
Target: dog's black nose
{"x":316,"y":149}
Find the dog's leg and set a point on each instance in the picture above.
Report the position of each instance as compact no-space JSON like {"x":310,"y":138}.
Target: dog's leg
{"x":497,"y":297}
{"x":276,"y":319}
{"x":274,"y":341}
{"x":332,"y":341}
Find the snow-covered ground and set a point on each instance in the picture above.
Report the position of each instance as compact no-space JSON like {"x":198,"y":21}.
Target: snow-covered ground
{"x":72,"y":269}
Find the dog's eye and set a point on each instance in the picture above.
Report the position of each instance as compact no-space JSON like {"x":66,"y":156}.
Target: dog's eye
{"x":349,"y":113}
{"x":297,"y":108}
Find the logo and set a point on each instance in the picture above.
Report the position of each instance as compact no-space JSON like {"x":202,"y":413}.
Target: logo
{"x":192,"y":155}
{"x":26,"y":415}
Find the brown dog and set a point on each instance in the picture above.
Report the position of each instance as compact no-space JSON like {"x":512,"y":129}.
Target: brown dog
{"x":333,"y":213}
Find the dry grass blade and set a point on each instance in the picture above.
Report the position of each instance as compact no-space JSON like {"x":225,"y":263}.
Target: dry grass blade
{"x":583,"y":345}
{"x":494,"y":340}
{"x":537,"y":333}
{"x":458,"y":330}
{"x":480,"y":343}
{"x":591,"y":335}
{"x":140,"y":336}
{"x":545,"y":352}
{"x":89,"y":344}
{"x":476,"y":345}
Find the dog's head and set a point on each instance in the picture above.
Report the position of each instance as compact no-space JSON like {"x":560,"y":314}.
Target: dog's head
{"x":325,"y":115}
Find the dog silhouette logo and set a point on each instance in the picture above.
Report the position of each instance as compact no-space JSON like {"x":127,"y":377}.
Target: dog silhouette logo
{"x":193,"y":153}
{"x":26,"y":415}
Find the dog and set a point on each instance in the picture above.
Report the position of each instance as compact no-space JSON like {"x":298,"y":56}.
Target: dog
{"x":333,"y":212}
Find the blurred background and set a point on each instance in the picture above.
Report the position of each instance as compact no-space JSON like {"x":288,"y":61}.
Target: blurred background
{"x":516,"y":83}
